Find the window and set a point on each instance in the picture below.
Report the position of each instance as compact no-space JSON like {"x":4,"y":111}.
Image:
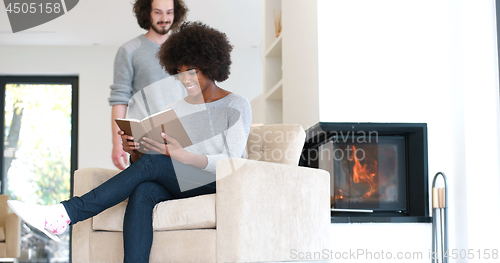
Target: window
{"x":39,"y":152}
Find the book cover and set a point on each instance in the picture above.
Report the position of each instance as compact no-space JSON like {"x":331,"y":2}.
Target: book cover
{"x":152,"y":127}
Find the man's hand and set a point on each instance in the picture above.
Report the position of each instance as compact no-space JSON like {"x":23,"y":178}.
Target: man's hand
{"x":120,"y":157}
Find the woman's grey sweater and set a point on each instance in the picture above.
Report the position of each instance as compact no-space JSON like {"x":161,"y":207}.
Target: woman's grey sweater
{"x":218,"y":129}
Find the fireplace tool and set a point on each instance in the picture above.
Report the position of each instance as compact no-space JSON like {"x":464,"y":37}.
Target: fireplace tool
{"x":439,"y":202}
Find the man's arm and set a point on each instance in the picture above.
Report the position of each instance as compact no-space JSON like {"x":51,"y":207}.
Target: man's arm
{"x":121,"y":91}
{"x":118,"y":155}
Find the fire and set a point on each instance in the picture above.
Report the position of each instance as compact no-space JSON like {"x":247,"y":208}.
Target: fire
{"x":361,"y":173}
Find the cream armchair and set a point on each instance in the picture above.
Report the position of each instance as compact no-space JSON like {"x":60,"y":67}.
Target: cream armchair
{"x":265,"y":207}
{"x":10,"y":231}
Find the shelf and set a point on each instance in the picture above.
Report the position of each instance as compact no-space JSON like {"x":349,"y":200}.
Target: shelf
{"x":274,"y":50}
{"x":276,"y":93}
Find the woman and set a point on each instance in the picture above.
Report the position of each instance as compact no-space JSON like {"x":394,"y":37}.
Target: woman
{"x":217,"y":122}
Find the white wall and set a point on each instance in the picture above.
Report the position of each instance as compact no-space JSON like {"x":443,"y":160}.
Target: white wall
{"x":481,"y":122}
{"x":420,"y":61}
{"x":94,"y":66}
{"x":246,"y":72}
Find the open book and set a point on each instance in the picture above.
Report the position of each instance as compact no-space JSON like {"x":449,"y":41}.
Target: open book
{"x":152,"y":126}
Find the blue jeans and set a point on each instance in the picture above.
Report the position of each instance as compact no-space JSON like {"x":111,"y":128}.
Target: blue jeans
{"x":148,"y":181}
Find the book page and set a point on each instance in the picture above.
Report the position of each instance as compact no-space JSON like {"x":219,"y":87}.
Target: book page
{"x":168,"y":123}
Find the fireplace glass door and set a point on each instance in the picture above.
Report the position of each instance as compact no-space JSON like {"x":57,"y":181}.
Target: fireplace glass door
{"x":366,"y":174}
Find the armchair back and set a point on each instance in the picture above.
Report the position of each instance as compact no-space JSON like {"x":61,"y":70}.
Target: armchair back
{"x":279,"y":143}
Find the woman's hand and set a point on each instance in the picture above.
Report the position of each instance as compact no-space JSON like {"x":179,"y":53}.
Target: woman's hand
{"x":175,"y":151}
{"x":128,"y":143}
{"x":172,"y":148}
{"x":130,"y":146}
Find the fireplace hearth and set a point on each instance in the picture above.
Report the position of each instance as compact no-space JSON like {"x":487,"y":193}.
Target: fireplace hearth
{"x":378,"y":171}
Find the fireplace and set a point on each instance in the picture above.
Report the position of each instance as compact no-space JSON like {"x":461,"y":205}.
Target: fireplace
{"x":378,"y":171}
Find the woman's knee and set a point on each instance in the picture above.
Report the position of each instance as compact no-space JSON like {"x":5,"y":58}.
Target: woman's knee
{"x":149,"y":193}
{"x":155,"y":164}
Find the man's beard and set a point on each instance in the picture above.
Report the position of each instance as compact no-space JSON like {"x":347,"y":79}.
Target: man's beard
{"x":161,"y":30}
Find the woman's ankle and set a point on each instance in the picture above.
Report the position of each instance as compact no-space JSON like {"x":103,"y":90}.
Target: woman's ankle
{"x":56,"y":219}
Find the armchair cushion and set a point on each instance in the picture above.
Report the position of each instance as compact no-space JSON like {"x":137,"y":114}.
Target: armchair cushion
{"x":190,"y":213}
{"x":183,"y":214}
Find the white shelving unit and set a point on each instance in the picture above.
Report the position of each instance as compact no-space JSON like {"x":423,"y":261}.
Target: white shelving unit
{"x":275,"y":93}
{"x":273,"y":65}
{"x":291,"y":91}
{"x":274,"y":50}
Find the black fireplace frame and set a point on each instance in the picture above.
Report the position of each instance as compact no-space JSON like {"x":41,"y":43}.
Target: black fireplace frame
{"x":417,"y":175}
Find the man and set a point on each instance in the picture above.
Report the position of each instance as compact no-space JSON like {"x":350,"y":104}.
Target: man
{"x":136,"y":65}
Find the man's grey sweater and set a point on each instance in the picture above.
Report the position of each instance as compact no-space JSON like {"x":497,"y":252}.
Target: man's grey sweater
{"x":137,"y":67}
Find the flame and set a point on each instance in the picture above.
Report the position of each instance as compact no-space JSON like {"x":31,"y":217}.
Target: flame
{"x":362,"y":174}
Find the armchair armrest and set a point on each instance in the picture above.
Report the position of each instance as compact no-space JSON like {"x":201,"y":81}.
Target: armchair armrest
{"x":13,"y":235}
{"x":85,"y":180}
{"x":266,"y":210}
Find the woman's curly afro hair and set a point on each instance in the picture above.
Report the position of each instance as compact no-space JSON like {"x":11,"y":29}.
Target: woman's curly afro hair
{"x":142,"y":10}
{"x":198,"y":45}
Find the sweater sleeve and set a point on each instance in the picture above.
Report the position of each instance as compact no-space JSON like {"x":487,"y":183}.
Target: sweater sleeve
{"x":121,"y":89}
{"x":235,"y":137}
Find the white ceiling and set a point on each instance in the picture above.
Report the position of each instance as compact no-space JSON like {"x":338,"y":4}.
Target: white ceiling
{"x":112,"y":23}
